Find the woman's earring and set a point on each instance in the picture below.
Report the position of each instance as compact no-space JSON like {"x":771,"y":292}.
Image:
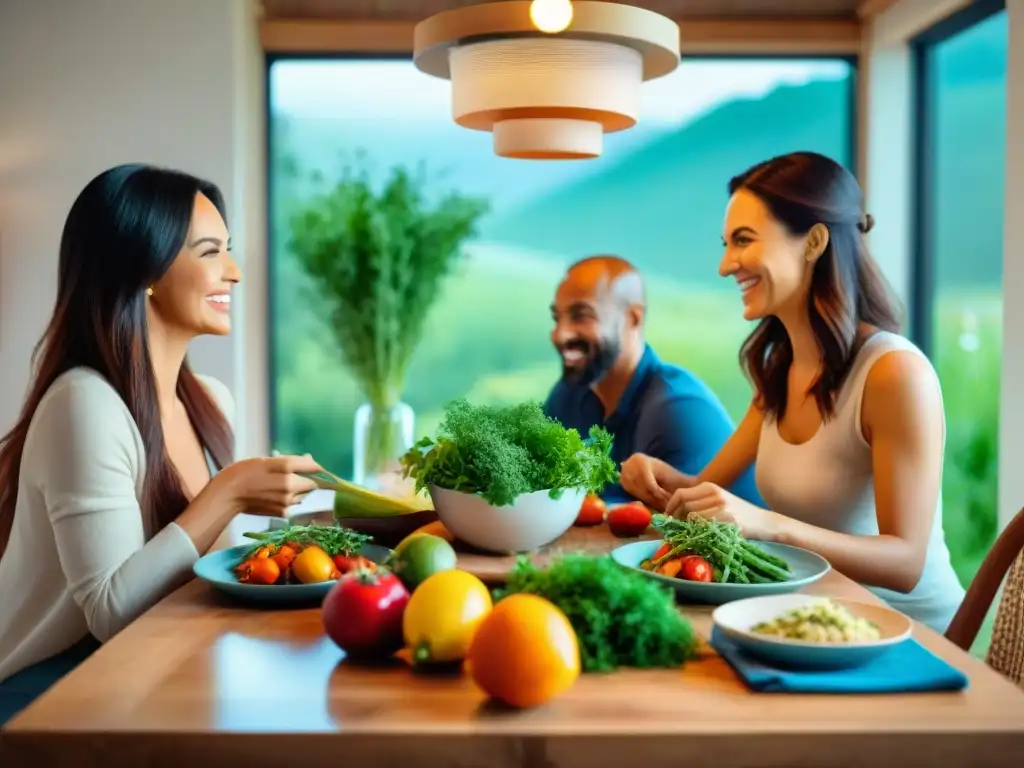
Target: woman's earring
{"x":149,"y":291}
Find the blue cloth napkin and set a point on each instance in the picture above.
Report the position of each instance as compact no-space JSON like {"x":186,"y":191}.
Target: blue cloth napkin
{"x":908,"y":667}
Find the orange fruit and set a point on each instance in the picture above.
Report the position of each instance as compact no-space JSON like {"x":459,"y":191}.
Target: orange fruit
{"x":284,"y":557}
{"x":435,"y":528}
{"x":525,"y":652}
{"x":259,"y":570}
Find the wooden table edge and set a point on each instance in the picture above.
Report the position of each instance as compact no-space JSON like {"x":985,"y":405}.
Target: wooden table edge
{"x":847,"y":750}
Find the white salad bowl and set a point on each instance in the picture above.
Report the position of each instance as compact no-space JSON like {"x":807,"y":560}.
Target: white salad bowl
{"x":529,"y":522}
{"x":736,"y":620}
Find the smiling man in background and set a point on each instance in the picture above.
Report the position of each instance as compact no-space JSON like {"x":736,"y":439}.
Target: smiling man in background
{"x":612,"y":378}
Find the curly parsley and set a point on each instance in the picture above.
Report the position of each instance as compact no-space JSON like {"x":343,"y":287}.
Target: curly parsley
{"x":503,"y":452}
{"x":621,"y":618}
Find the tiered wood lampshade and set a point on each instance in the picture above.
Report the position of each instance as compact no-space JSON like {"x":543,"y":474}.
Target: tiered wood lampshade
{"x":547,"y":96}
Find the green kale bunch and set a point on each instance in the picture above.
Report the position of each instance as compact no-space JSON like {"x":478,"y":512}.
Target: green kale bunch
{"x":500,"y":453}
{"x":621,"y":617}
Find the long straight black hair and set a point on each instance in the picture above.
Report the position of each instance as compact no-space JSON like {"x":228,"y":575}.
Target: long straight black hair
{"x":802,"y":189}
{"x":122,"y":234}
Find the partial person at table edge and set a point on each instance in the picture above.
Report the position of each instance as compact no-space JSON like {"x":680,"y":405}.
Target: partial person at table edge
{"x":846,"y":427}
{"x":611,"y":377}
{"x":119,"y":470}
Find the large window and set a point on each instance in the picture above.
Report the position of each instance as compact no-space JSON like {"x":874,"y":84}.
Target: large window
{"x":959,"y":321}
{"x":958,"y":317}
{"x":656,"y":197}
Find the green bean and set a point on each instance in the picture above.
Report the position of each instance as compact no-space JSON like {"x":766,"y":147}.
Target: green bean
{"x":733,"y":558}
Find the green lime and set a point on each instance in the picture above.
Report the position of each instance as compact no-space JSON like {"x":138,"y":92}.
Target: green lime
{"x":421,"y":556}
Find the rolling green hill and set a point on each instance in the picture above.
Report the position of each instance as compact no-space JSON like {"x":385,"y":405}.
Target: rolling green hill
{"x":969,"y":101}
{"x":975,"y":56}
{"x":661,"y":206}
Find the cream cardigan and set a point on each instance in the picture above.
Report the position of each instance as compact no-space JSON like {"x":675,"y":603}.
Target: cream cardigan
{"x":77,"y":561}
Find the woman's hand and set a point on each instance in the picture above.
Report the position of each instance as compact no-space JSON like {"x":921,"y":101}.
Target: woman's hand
{"x":715,"y":503}
{"x":266,"y":486}
{"x":651,"y":480}
{"x":260,"y":486}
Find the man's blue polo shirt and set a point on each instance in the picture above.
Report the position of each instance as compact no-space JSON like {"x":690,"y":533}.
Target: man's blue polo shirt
{"x":665,"y":412}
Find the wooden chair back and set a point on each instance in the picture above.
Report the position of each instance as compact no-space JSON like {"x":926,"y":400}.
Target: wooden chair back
{"x":1004,"y":561}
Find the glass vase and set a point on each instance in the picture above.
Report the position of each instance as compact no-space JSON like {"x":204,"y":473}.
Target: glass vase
{"x":382,"y":435}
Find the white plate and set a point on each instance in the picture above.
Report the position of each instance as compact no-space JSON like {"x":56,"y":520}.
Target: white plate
{"x":735,"y":620}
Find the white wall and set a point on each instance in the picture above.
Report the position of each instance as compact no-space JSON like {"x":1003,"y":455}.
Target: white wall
{"x":92,"y":83}
{"x":907,"y":18}
{"x":887,"y":165}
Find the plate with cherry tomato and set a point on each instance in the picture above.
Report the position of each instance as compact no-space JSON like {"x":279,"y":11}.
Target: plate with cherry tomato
{"x":696,"y":580}
{"x":285,"y":572}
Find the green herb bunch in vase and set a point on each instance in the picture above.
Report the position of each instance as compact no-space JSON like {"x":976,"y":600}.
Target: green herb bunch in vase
{"x":379,"y":258}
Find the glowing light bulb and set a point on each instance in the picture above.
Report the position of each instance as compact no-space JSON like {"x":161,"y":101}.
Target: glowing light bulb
{"x":551,"y":16}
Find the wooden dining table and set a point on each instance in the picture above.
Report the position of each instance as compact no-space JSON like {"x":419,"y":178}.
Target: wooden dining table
{"x":204,"y":680}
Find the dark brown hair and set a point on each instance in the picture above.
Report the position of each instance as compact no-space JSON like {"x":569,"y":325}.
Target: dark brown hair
{"x":122,"y":234}
{"x":802,"y":189}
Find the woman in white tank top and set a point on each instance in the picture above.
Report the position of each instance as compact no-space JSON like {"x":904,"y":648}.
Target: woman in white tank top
{"x":846,"y":425}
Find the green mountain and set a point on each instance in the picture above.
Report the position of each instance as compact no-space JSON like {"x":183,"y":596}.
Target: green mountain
{"x":662,"y":205}
{"x":969,"y":101}
{"x":664,"y":202}
{"x":976,"y":55}
{"x":969,"y":186}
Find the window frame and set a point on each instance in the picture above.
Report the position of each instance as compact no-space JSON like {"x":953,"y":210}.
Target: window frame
{"x":854,"y":150}
{"x":923,"y":285}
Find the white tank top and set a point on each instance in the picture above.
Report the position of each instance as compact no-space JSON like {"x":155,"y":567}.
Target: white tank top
{"x":827,"y":481}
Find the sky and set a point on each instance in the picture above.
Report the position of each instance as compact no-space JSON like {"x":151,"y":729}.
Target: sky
{"x":332,"y":89}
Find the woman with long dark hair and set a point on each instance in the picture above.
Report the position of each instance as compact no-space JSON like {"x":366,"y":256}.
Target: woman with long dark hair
{"x":846,"y":425}
{"x":119,"y":471}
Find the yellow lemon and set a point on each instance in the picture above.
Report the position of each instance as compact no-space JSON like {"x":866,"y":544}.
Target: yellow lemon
{"x":443,"y":614}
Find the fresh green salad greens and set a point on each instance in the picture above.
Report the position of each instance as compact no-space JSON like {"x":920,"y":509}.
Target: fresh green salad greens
{"x":334,"y":540}
{"x":733,"y":559}
{"x":500,"y":453}
{"x":620,"y":617}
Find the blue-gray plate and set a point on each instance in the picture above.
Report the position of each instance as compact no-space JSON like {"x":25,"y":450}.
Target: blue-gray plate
{"x":807,"y":568}
{"x":217,"y":570}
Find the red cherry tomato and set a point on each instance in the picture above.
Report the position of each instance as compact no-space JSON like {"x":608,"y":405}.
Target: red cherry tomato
{"x":695,"y":568}
{"x":346,"y":563}
{"x":363,"y":613}
{"x":630,"y":519}
{"x":591,"y":511}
